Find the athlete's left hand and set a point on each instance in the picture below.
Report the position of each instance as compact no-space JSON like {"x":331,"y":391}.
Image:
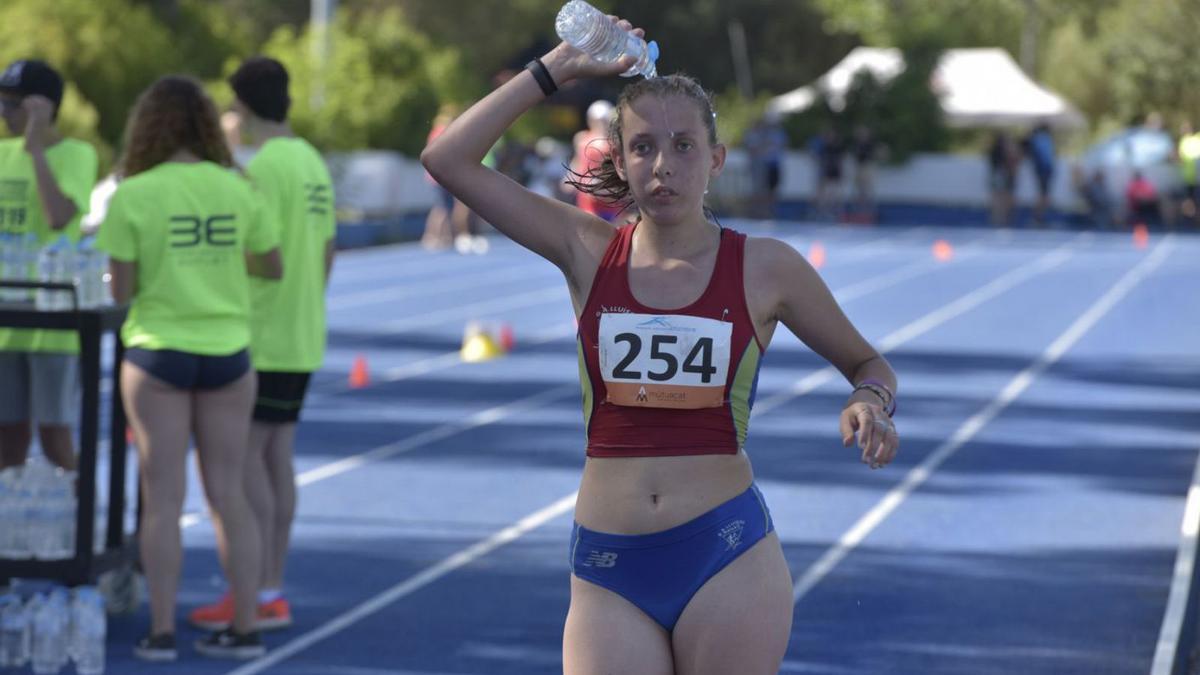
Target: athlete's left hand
{"x":38,"y":110}
{"x":877,"y":437}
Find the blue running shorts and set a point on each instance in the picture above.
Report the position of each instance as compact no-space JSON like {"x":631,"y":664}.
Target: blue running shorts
{"x":661,"y":571}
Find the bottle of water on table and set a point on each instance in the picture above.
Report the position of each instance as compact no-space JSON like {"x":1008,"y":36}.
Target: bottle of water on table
{"x":589,"y":30}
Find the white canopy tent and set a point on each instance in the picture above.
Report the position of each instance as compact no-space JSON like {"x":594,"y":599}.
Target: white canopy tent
{"x":977,"y":88}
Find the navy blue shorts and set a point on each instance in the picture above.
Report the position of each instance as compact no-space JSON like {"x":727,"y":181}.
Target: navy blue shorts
{"x":661,"y":571}
{"x":185,"y":370}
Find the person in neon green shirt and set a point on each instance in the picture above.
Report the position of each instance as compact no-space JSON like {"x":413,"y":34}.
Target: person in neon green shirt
{"x":288,"y":319}
{"x":45,"y":182}
{"x":1189,"y":162}
{"x":184,"y":232}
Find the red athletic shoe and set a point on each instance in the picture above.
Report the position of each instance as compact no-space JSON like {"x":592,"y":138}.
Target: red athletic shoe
{"x":274,"y":615}
{"x":219,"y":615}
{"x":214,"y":617}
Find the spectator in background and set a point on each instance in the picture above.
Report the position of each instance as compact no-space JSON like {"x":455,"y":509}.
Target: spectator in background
{"x":766,"y":143}
{"x":47,"y":180}
{"x":1093,"y":189}
{"x":1039,"y":147}
{"x":1003,"y":158}
{"x":546,"y":168}
{"x":449,"y":220}
{"x":1141,"y":198}
{"x":592,"y":146}
{"x":827,"y":151}
{"x":1188,"y":153}
{"x":287,"y":320}
{"x":437,"y":233}
{"x":866,"y":150}
{"x":184,"y":233}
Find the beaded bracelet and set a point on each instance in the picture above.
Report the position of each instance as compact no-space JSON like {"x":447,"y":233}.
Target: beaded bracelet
{"x":881,"y":390}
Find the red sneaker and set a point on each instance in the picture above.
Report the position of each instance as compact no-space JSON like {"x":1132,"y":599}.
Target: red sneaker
{"x":214,"y":617}
{"x":274,"y":615}
{"x":219,"y":615}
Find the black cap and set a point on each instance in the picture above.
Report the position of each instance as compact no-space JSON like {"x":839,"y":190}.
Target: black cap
{"x":29,"y":77}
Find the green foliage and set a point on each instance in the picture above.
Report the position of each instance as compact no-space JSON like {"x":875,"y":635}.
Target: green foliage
{"x":1131,"y":58}
{"x":91,"y":50}
{"x":375,"y":91}
{"x":786,"y":42}
{"x":736,"y":114}
{"x":954,"y":23}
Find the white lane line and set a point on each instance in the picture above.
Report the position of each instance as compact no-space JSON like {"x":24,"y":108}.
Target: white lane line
{"x":410,"y":585}
{"x":557,"y":292}
{"x":927,"y":323}
{"x":909,"y":271}
{"x":446,"y":360}
{"x":479,"y":419}
{"x":430,"y":287}
{"x":965,"y":432}
{"x":1169,"y":634}
{"x":419,"y":440}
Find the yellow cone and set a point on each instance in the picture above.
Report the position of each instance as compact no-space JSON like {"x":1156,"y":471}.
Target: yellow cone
{"x":480,"y":347}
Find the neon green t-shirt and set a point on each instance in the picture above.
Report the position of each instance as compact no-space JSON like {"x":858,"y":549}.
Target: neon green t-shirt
{"x":188,"y":227}
{"x":1189,"y":156}
{"x":287,"y":324}
{"x":74,"y":166}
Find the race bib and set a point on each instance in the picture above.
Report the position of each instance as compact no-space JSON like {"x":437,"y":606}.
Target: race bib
{"x":664,"y":361}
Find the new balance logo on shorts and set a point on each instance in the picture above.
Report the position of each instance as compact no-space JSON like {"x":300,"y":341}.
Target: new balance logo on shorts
{"x":600,"y":559}
{"x":732,"y":534}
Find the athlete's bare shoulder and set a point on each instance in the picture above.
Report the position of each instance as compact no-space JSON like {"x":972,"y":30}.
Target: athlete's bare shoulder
{"x":770,"y":261}
{"x":775,"y":274}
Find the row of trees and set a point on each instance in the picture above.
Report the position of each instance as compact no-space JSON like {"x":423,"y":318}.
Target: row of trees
{"x":394,"y":62}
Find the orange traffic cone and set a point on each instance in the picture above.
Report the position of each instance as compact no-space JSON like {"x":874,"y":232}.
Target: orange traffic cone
{"x":942,"y":250}
{"x":507,"y":340}
{"x":816,"y":255}
{"x":1141,"y":236}
{"x":359,"y":376}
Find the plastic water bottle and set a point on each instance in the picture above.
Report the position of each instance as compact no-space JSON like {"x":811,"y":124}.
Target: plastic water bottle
{"x":58,"y":504}
{"x":8,"y":266}
{"x":9,"y":480}
{"x":590,"y":30}
{"x":49,"y":636}
{"x":27,"y":254}
{"x":92,"y":264}
{"x":14,"y":648}
{"x":24,"y":509}
{"x":48,"y":267}
{"x":50,"y":622}
{"x":88,"y":631}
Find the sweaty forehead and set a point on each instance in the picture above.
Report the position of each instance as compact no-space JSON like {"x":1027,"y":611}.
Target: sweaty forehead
{"x":663,"y":115}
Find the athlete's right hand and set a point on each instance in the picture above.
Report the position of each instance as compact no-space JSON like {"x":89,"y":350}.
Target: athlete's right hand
{"x":566,"y":62}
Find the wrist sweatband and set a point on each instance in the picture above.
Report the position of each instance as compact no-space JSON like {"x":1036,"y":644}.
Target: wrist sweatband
{"x":542,"y":75}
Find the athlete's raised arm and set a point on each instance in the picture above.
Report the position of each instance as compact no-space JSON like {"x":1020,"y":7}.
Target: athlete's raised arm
{"x":556,"y":231}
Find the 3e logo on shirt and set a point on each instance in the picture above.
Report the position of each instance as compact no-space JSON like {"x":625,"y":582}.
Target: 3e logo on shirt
{"x":189,"y":231}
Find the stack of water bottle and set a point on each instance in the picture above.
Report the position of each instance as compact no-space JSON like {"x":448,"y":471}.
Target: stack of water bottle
{"x":23,"y":258}
{"x":49,"y":629}
{"x":39,"y":504}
